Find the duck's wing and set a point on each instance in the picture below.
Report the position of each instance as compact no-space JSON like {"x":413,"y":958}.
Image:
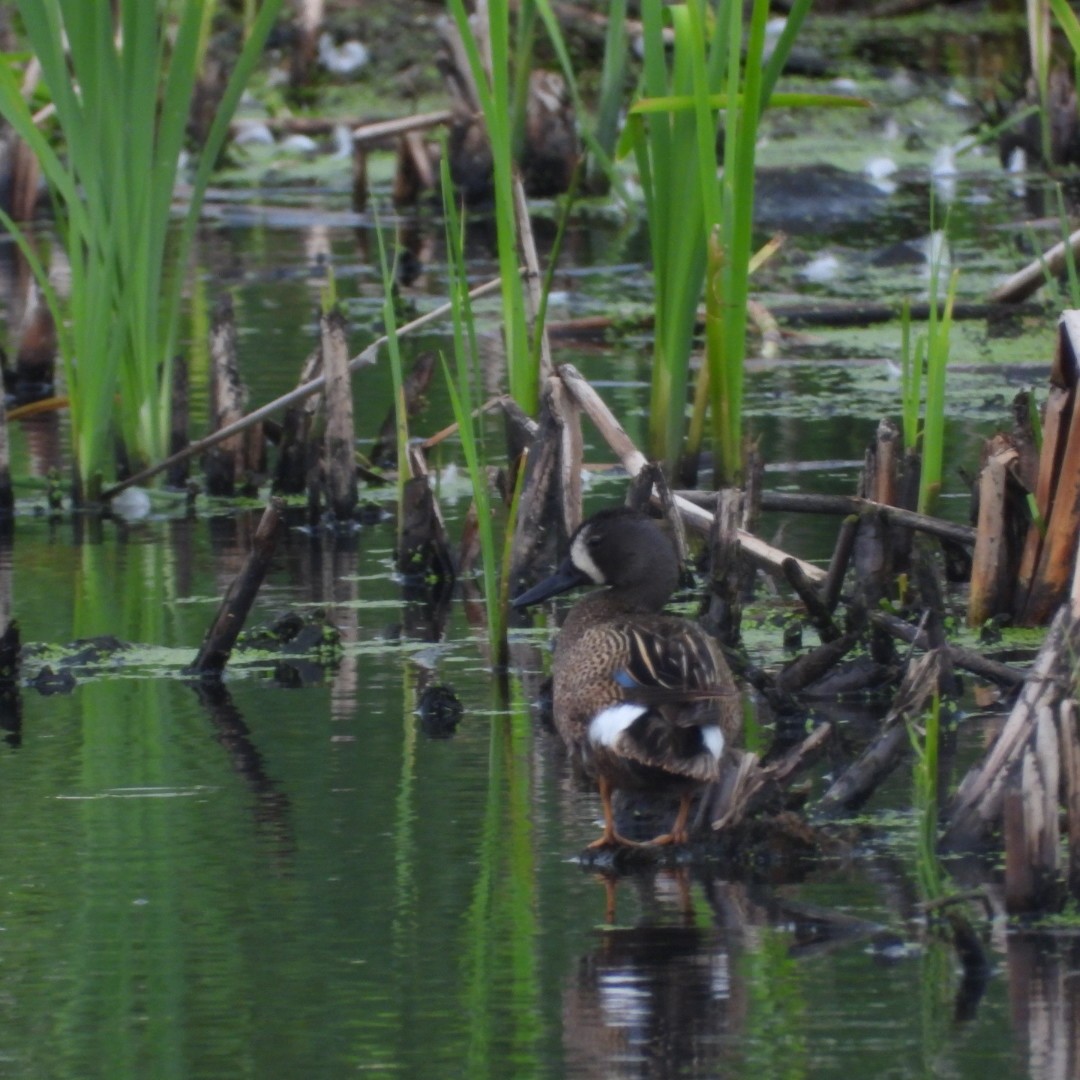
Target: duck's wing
{"x":669,"y":678}
{"x":670,"y":662}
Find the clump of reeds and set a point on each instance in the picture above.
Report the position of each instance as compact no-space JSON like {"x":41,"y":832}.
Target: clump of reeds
{"x":121,"y":89}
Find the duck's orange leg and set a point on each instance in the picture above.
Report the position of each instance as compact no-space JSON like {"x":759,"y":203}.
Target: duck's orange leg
{"x":679,"y":833}
{"x":610,"y":837}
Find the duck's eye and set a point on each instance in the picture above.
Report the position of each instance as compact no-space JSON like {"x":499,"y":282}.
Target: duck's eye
{"x":593,"y":539}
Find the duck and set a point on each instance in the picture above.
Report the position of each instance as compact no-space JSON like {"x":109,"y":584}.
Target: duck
{"x":643,"y":699}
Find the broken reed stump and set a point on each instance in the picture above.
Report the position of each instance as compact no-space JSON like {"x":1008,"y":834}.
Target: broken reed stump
{"x":1031,"y":771}
{"x":1046,"y":564}
{"x":232,"y":462}
{"x":220,"y":638}
{"x":996,"y":558}
{"x":423,"y":551}
{"x":342,"y":488}
{"x":549,"y":508}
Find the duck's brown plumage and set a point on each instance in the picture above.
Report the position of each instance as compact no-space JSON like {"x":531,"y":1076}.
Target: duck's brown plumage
{"x":643,"y":699}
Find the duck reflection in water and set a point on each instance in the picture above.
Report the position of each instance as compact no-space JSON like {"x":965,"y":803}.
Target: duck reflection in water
{"x":653,"y":1000}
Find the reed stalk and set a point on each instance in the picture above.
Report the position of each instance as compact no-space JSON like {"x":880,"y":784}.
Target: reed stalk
{"x":496,"y":101}
{"x":700,"y":227}
{"x":121,"y":91}
{"x":461,"y":383}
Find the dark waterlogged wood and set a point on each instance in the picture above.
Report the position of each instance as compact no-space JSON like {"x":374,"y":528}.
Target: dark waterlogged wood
{"x":838,"y":564}
{"x":218,"y":644}
{"x":967,"y":659}
{"x":342,"y":488}
{"x":294,"y":451}
{"x":413,"y":388}
{"x":860,"y":779}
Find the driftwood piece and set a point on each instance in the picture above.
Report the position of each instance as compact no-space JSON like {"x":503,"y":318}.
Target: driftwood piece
{"x":223,"y":464}
{"x":365,"y":358}
{"x":743,"y":790}
{"x":856,"y":783}
{"x":818,"y":611}
{"x":994,"y":565}
{"x":838,"y":564}
{"x":220,"y":638}
{"x":1048,"y":561}
{"x":813,"y":664}
{"x":342,"y":491}
{"x":967,"y":659}
{"x":1026,"y":282}
{"x":810,"y":503}
{"x":633,"y":460}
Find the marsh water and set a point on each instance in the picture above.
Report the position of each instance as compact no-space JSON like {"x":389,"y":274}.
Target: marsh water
{"x":303,"y":873}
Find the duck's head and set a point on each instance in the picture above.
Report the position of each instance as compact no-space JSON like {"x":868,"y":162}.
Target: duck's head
{"x":620,"y":548}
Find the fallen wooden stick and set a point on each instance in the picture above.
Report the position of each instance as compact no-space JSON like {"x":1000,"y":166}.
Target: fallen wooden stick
{"x":633,"y":460}
{"x":362,"y":359}
{"x":214,"y":652}
{"x":809,"y":503}
{"x":967,"y":659}
{"x":1028,"y":281}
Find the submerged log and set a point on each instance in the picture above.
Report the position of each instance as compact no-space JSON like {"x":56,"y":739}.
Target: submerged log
{"x":342,"y":491}
{"x":859,"y":780}
{"x":220,"y":638}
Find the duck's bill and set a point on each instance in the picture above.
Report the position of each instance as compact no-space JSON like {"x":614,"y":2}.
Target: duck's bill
{"x":567,"y":577}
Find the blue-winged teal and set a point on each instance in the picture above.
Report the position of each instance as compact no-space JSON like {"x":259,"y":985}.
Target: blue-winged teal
{"x":644,"y":699}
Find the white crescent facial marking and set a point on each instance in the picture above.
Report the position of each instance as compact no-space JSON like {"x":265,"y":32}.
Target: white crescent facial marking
{"x":580,"y":557}
{"x":713,"y":738}
{"x":605,"y":727}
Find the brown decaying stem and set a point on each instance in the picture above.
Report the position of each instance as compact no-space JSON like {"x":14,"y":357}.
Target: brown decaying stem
{"x":214,"y":653}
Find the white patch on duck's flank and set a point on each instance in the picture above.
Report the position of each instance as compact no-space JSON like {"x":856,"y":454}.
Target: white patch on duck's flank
{"x":605,"y":727}
{"x":713,"y":738}
{"x":580,"y":557}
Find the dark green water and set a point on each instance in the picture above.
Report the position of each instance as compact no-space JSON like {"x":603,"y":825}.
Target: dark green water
{"x":301,"y":883}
